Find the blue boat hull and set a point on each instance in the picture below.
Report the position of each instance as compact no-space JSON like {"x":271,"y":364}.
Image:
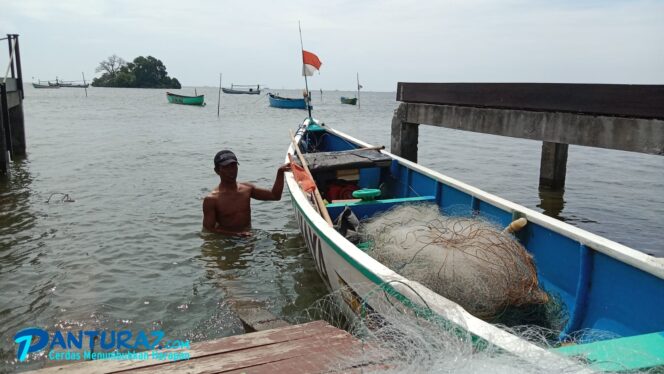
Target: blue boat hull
{"x":602,"y":286}
{"x":286,"y":103}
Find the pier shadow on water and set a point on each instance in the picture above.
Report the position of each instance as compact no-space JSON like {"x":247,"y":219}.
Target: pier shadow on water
{"x":552,"y":202}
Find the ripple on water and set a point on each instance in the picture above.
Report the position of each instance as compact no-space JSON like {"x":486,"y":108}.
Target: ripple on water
{"x":129,"y":251}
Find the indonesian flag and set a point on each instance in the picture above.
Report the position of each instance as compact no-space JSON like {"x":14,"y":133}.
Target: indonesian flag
{"x":310,"y":63}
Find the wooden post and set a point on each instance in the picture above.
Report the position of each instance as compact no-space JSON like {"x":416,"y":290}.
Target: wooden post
{"x":17,"y":130}
{"x":553,"y":166}
{"x":10,"y":37}
{"x":17,"y":61}
{"x":404,"y":135}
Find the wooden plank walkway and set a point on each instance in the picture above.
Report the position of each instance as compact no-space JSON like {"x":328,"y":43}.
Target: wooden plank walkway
{"x":314,"y":347}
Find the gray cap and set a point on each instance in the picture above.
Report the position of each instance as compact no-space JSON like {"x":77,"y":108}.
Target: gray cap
{"x":224,"y":158}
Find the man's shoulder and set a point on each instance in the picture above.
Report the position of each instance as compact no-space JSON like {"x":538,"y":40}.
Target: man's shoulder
{"x":246,"y":185}
{"x":214,"y":195}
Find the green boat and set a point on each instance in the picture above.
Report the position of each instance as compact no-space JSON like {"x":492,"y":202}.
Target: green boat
{"x":185,"y":100}
{"x":349,"y":100}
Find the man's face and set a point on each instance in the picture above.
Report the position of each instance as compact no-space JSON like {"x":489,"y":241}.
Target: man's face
{"x":228,"y":171}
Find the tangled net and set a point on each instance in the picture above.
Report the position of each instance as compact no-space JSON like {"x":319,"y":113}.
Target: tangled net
{"x":466,"y":260}
{"x":396,"y":340}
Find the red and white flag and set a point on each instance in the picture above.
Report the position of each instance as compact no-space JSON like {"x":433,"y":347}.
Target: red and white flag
{"x":310,"y":63}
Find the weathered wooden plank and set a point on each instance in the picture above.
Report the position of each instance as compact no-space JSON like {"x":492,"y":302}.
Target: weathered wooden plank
{"x":258,"y":319}
{"x":313,"y":344}
{"x":623,"y":100}
{"x":314,"y":352}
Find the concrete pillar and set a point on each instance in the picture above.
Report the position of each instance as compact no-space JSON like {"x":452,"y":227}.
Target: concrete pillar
{"x":553,"y":166}
{"x":4,"y":126}
{"x":4,"y":155}
{"x":404,"y":135}
{"x":16,"y":123}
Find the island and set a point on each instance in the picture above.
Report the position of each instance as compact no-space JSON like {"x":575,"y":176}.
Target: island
{"x":143,"y":72}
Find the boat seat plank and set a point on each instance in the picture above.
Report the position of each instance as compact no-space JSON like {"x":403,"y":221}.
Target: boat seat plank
{"x":349,"y":159}
{"x":366,"y":209}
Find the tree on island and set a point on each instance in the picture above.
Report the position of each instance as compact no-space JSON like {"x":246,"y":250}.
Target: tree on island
{"x":143,"y":72}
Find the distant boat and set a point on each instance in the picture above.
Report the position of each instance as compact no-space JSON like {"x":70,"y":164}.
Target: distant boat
{"x":243,"y":89}
{"x":49,"y":85}
{"x":349,"y":100}
{"x":73,"y":85}
{"x":286,"y":102}
{"x":185,"y":100}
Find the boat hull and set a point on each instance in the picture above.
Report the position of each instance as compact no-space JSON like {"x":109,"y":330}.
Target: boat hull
{"x":603,"y":285}
{"x":185,"y":100}
{"x":349,"y":100}
{"x":286,"y":103}
{"x":231,"y":91}
{"x":36,"y":85}
{"x":71,"y":85}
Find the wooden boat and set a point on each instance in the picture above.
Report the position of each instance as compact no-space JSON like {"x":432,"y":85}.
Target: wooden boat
{"x":186,"y":100}
{"x":603,"y":286}
{"x":349,"y":100}
{"x":39,"y":85}
{"x":286,"y":102}
{"x":242,"y":90}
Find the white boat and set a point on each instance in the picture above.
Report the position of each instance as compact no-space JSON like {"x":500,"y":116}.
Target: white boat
{"x":603,"y":285}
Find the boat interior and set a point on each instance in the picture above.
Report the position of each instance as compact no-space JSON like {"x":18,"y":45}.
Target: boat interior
{"x":582,"y":277}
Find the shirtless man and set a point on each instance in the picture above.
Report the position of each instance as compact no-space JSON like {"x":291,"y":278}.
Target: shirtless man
{"x":227,"y":209}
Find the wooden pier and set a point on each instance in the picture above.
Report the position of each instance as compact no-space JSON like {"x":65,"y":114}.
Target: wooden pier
{"x":12,"y":130}
{"x":314,"y":347}
{"x":612,"y":116}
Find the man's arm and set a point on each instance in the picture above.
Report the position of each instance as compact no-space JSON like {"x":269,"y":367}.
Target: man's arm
{"x":209,"y":214}
{"x":277,"y":188}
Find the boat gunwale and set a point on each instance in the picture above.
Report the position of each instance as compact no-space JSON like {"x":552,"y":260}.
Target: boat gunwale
{"x":620,"y":252}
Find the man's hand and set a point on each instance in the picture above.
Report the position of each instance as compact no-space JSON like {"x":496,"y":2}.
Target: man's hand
{"x":284,"y":167}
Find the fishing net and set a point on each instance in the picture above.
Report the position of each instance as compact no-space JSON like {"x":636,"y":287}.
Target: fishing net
{"x":397,"y":340}
{"x":467,"y":260}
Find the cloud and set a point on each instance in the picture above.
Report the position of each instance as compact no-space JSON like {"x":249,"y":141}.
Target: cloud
{"x":386,"y":41}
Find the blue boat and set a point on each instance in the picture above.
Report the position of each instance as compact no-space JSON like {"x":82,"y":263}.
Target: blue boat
{"x":601,"y":285}
{"x":286,"y":103}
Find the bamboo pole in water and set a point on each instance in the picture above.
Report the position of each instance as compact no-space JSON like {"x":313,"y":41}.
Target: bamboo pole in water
{"x":84,"y":87}
{"x":219,"y":97}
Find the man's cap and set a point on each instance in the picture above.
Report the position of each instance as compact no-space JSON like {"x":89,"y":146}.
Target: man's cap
{"x":224,"y":158}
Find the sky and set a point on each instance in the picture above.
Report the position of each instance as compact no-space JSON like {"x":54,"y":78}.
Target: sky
{"x":385,"y":42}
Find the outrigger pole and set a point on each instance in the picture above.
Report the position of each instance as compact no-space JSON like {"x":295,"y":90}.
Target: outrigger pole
{"x":307,"y":99}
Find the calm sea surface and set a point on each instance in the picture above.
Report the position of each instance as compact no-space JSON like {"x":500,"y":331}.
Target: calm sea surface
{"x":129,"y":253}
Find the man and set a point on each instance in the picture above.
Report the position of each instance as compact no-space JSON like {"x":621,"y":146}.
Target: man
{"x":227,"y":209}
